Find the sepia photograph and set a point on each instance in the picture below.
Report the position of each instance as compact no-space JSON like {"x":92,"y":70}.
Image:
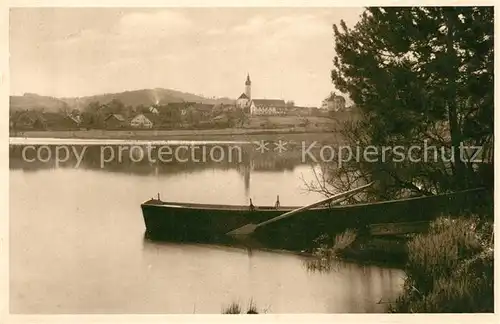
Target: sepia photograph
{"x":251,"y":160}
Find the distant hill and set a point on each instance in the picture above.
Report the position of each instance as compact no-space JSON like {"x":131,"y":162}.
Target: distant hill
{"x":134,"y":98}
{"x":31,"y":101}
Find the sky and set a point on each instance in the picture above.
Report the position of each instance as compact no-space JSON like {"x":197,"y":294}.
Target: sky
{"x":73,"y":52}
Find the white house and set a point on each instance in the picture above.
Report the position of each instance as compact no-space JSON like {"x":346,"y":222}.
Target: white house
{"x":141,"y":121}
{"x":154,"y":110}
{"x":333,"y":103}
{"x":242,"y":101}
{"x":267,"y":107}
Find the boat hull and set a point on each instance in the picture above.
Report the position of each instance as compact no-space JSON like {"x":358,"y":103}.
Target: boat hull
{"x":198,"y":222}
{"x":163,"y":219}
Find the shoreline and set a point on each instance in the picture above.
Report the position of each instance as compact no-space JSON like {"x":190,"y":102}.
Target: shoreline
{"x":228,"y":134}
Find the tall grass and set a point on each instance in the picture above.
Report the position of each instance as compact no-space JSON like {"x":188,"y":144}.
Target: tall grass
{"x":326,"y":256}
{"x":450,"y":268}
{"x":235,"y":308}
{"x":344,"y":240}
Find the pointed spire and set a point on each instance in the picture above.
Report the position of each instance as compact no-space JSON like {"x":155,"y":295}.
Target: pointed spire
{"x":248,"y":82}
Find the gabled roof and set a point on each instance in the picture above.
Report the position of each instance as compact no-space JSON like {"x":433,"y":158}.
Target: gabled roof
{"x":330,"y":97}
{"x":269,"y":102}
{"x":333,"y":96}
{"x":31,"y":115}
{"x":243,"y":96}
{"x":76,"y":119}
{"x":68,"y":118}
{"x":117,"y":116}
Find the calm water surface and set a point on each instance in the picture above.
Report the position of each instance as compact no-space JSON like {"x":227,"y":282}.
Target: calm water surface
{"x":77,"y":244}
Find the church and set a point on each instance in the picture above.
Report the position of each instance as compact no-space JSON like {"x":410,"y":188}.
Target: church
{"x":270,"y":107}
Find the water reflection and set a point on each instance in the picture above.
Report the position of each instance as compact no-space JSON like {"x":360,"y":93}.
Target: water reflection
{"x":113,"y":158}
{"x":138,"y":156}
{"x":271,"y":279}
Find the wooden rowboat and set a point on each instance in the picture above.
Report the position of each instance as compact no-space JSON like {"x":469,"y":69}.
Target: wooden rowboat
{"x":200,"y":222}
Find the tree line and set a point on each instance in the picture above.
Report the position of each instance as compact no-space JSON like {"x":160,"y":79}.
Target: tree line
{"x":168,"y":116}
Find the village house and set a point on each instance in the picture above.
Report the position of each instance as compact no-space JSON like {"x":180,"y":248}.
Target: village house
{"x":269,"y":107}
{"x":57,"y":121}
{"x":43,"y":120}
{"x":144,"y":120}
{"x":77,"y":119}
{"x":114,"y":121}
{"x":339,"y":103}
{"x":333,"y":103}
{"x":194,"y":111}
{"x":242,"y":101}
{"x":154,"y":110}
{"x":28,"y":120}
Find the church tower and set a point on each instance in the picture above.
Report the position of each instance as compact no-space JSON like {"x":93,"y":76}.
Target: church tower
{"x":248,"y":87}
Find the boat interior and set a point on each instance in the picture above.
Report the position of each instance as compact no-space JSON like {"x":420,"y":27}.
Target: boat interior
{"x":161,"y":203}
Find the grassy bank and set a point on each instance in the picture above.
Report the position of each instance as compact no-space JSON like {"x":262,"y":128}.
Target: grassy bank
{"x":450,"y":269}
{"x":382,"y":244}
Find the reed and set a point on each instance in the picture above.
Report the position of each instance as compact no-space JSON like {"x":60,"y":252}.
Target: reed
{"x":344,"y":240}
{"x":235,"y":308}
{"x":326,"y":257}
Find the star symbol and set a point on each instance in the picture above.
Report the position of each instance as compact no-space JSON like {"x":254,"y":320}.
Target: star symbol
{"x":280,"y":146}
{"x":262,"y":146}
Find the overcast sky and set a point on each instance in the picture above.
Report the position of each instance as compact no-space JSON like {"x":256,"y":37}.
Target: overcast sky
{"x":79,"y":52}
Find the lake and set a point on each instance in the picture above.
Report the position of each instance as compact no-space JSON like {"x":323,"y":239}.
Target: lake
{"x":77,"y":241}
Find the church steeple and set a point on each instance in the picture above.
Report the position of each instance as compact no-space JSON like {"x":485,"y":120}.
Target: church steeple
{"x":248,"y":87}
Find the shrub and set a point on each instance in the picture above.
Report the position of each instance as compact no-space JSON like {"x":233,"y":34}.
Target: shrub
{"x":450,"y":269}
